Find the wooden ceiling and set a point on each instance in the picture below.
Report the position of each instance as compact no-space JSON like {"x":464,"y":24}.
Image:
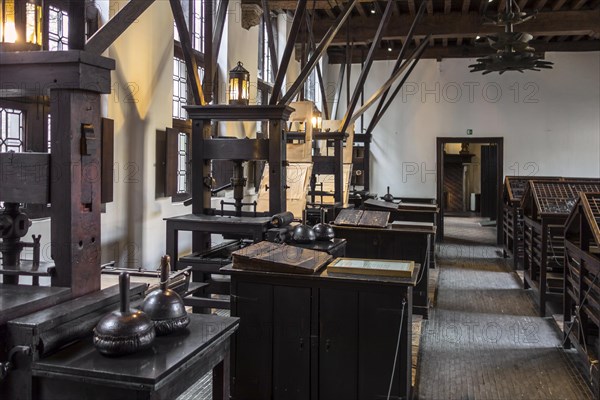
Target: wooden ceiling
{"x":560,"y":25}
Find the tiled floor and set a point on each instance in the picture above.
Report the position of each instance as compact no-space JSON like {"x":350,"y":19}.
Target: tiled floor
{"x":483,"y":339}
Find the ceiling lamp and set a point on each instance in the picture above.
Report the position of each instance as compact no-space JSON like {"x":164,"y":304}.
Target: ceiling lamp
{"x":20,"y":25}
{"x":513,"y":52}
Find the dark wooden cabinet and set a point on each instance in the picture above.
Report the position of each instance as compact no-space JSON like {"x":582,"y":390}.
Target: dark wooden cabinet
{"x":320,"y":336}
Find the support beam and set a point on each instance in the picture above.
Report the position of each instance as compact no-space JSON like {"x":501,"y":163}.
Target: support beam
{"x":338,"y":90}
{"x":311,"y":40}
{"x":210,"y":63}
{"x":287,"y":52}
{"x":216,"y":42}
{"x":105,"y":36}
{"x":455,"y":24}
{"x":191,"y":65}
{"x":387,"y":84}
{"x":270,"y":35}
{"x":76,"y":25}
{"x":316,"y":56}
{"x":401,"y":55}
{"x":379,"y":116}
{"x":367,"y":65}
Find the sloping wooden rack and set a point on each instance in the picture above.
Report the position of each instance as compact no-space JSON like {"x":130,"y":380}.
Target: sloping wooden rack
{"x":581,"y":304}
{"x":546,"y":207}
{"x":512,"y":223}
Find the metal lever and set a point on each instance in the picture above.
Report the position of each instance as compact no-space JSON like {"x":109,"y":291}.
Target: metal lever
{"x":8,"y":365}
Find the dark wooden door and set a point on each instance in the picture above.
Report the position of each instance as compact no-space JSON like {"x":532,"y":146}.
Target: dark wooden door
{"x":338,"y":341}
{"x":291,"y":343}
{"x":252,"y":368}
{"x":379,"y":326}
{"x":489,"y":177}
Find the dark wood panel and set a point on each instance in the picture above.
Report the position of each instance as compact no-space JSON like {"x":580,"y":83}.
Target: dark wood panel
{"x":25,"y":177}
{"x":171,"y":158}
{"x":252,"y":368}
{"x":291,"y":343}
{"x":338,"y":341}
{"x":379,"y":326}
{"x":107,"y":159}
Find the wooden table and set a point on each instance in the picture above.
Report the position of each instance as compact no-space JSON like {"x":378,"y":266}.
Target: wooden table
{"x":401,"y":243}
{"x":166,"y":370}
{"x":323,"y":336}
{"x":249,"y":227}
{"x":19,"y":300}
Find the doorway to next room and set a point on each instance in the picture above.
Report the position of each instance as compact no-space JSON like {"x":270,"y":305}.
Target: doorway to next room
{"x":469,"y":184}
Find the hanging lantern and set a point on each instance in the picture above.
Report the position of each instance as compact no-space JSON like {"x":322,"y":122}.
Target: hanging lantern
{"x":239,"y":85}
{"x":317,"y":120}
{"x":20,"y":25}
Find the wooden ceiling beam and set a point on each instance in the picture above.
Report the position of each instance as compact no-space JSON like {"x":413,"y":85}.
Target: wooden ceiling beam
{"x":336,"y":55}
{"x":455,"y":25}
{"x":361,"y":10}
{"x":447,"y":6}
{"x":539,"y":4}
{"x":522,"y":4}
{"x":291,"y":4}
{"x":411,"y":7}
{"x":578,"y":4}
{"x":191,"y":64}
{"x":465,"y":6}
{"x":558,"y":5}
{"x":287,"y":52}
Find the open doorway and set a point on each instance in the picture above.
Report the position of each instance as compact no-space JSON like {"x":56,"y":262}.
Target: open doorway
{"x":469,"y":180}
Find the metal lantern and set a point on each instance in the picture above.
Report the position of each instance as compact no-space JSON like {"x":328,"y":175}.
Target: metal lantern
{"x":21,"y":25}
{"x":239,"y":85}
{"x":317,"y":120}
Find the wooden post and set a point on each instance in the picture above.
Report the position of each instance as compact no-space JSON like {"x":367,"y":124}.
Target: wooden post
{"x":75,"y":189}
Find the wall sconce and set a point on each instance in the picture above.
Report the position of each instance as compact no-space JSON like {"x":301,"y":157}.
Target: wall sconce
{"x":239,"y":84}
{"x":20,"y":25}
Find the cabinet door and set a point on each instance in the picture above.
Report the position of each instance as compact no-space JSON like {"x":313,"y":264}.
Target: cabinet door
{"x":338,"y":342}
{"x":291,"y":343}
{"x":380,"y":314}
{"x":252,"y":368}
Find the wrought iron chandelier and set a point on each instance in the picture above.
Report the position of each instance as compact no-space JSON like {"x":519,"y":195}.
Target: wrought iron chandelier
{"x":513,"y":52}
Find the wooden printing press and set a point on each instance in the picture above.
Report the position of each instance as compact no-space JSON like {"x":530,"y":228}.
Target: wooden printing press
{"x":546,"y":206}
{"x":582,"y":283}
{"x":46,"y":347}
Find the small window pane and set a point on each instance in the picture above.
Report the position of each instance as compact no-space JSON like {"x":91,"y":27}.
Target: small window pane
{"x":58,"y":29}
{"x":182,"y":158}
{"x":179,"y":89}
{"x":11,"y":130}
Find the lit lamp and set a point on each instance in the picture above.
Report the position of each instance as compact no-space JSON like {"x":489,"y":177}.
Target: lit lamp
{"x":239,"y":84}
{"x":317,"y":120}
{"x":20,"y":25}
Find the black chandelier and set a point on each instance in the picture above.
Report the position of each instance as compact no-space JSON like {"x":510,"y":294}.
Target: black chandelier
{"x":513,"y":52}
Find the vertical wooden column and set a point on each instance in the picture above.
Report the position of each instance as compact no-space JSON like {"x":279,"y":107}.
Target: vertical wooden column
{"x":75,"y":189}
{"x":201,"y":193}
{"x":338,"y":154}
{"x":277,"y":167}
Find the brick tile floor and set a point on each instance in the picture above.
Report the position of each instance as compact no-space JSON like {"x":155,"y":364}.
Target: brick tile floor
{"x":483,"y":339}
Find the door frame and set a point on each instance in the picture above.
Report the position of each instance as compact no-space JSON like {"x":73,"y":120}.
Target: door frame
{"x":440,"y":142}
